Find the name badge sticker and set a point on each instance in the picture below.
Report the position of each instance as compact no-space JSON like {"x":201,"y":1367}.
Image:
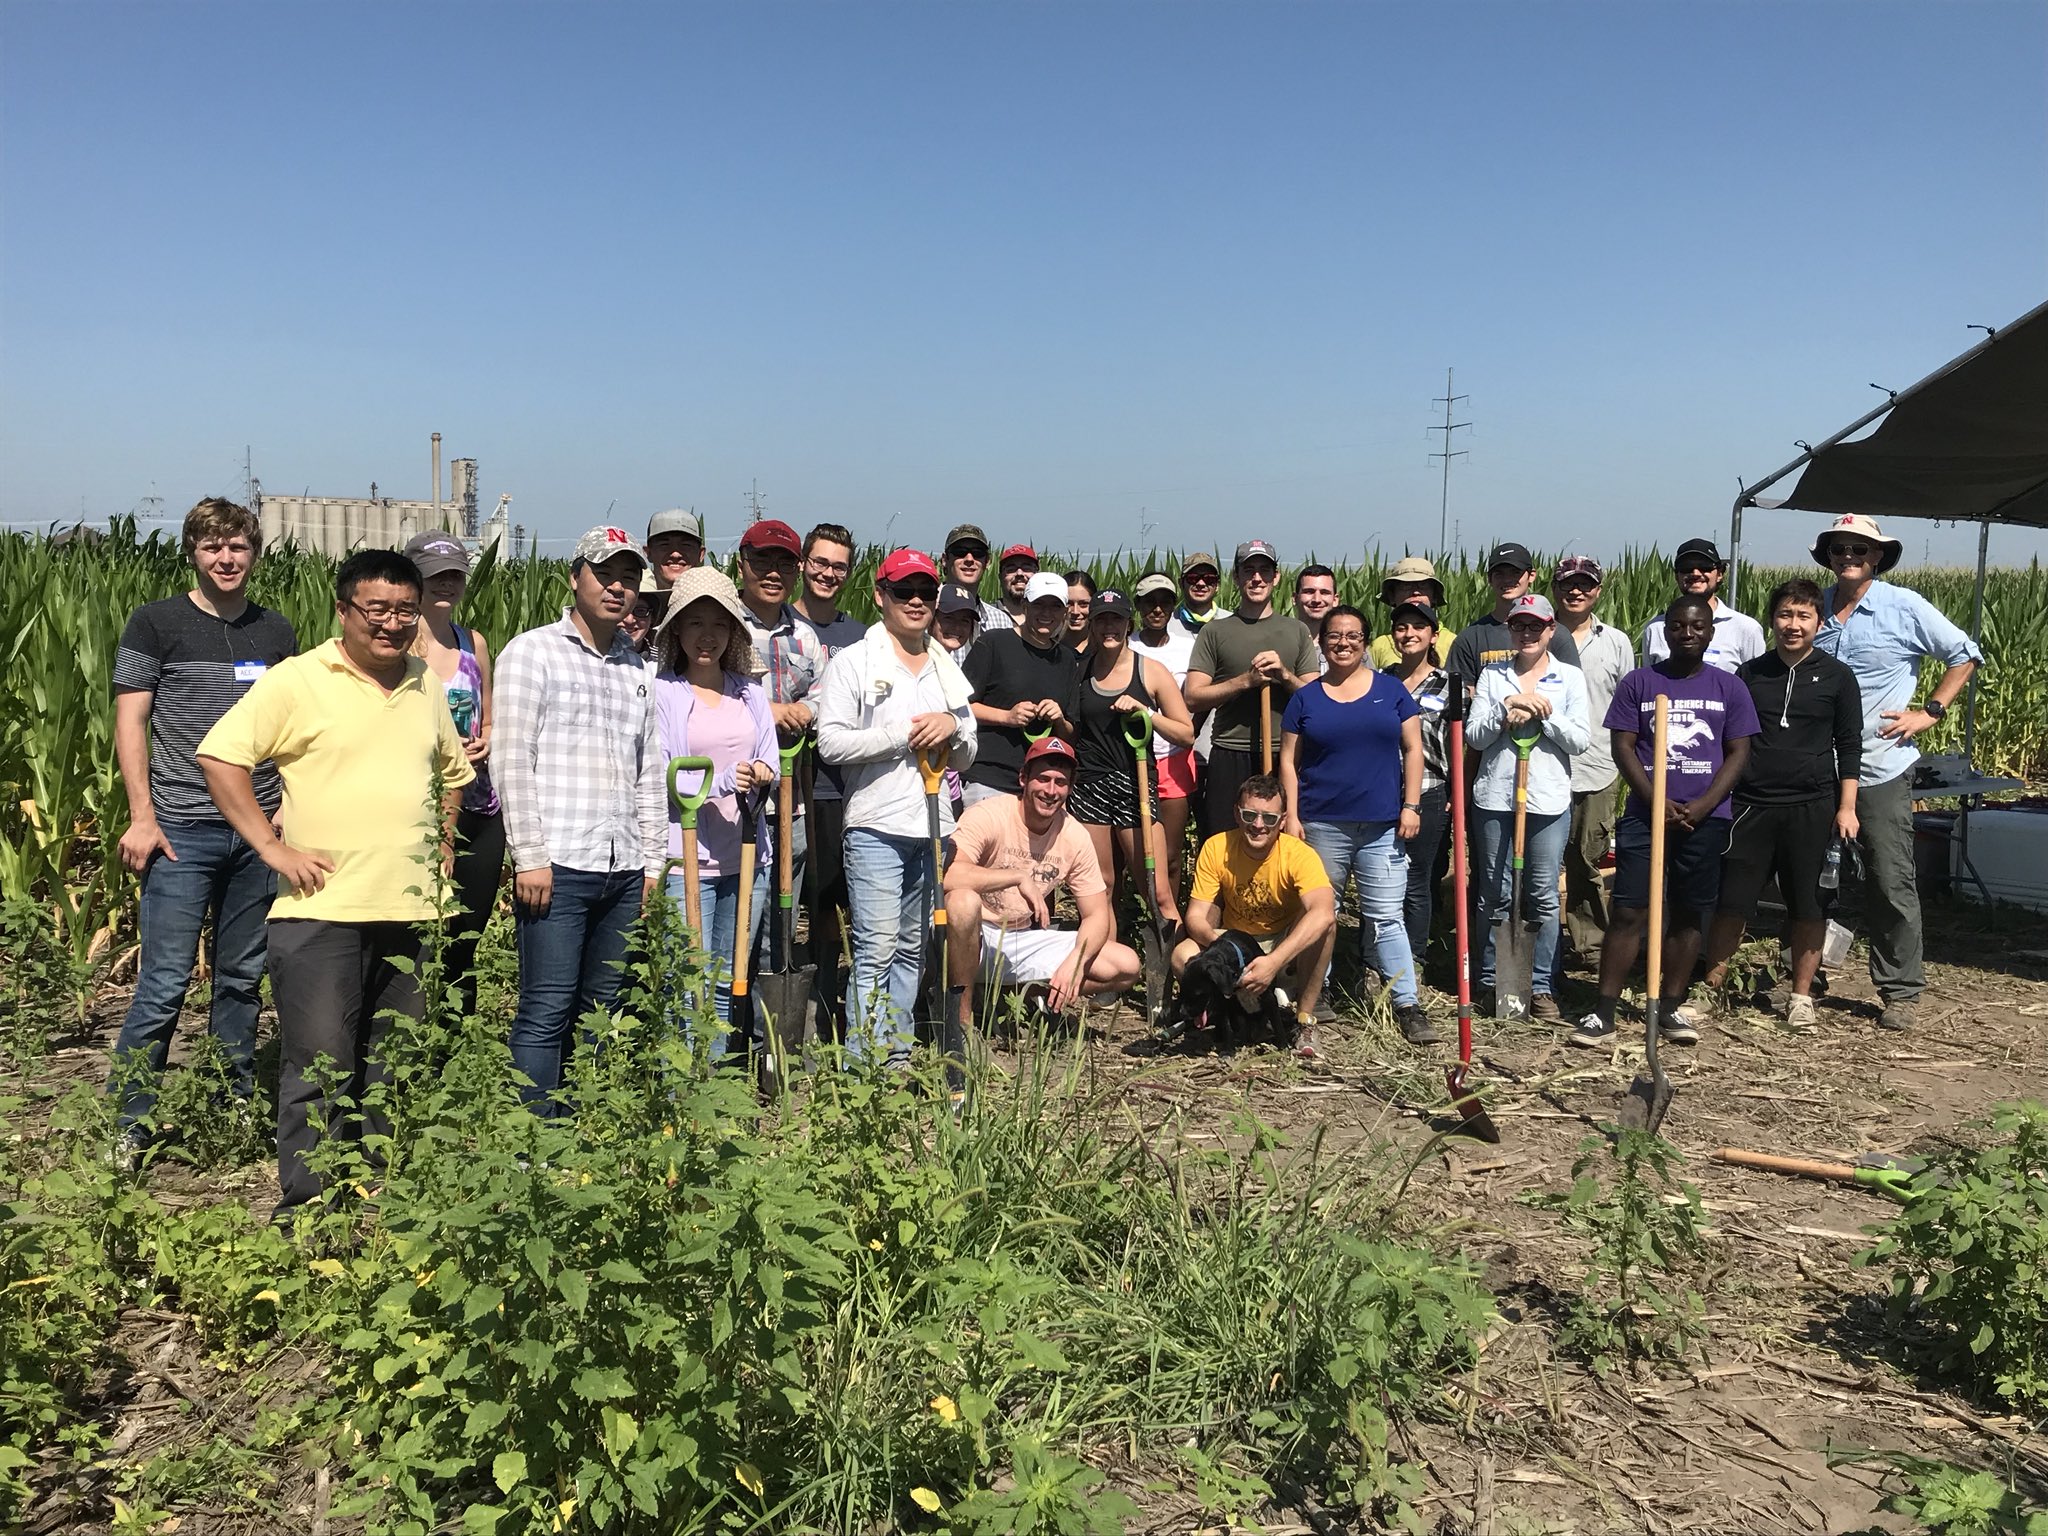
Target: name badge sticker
{"x":249,"y":671}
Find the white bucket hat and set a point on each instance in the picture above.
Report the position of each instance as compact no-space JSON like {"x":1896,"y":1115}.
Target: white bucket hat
{"x":1862,"y":527}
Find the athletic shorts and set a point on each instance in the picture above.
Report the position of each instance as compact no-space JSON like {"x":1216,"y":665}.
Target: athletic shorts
{"x":1107,"y":800}
{"x":1692,"y":865}
{"x":1789,"y":841}
{"x":1175,"y":775}
{"x":1023,"y":956}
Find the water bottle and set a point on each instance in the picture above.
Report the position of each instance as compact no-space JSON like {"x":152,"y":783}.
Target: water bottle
{"x":1831,"y":872}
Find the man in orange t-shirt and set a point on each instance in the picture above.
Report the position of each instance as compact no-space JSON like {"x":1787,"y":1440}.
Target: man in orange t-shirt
{"x":1009,"y":854}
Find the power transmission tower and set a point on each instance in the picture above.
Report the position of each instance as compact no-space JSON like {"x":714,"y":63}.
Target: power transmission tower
{"x":1448,"y":401}
{"x":754,"y":500}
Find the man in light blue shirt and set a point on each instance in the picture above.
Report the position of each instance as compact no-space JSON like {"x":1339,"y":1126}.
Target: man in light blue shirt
{"x":1881,"y":633}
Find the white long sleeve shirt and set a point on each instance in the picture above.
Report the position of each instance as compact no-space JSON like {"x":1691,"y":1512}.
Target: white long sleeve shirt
{"x":865,"y":702}
{"x":1566,"y":734}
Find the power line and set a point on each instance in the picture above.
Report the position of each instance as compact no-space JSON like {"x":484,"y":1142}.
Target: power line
{"x":1448,"y":400}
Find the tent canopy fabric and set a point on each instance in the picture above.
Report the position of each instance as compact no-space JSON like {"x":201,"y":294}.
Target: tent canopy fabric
{"x":1968,"y":442}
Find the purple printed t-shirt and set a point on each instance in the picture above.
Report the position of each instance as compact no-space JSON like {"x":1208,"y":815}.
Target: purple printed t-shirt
{"x":1708,"y":710}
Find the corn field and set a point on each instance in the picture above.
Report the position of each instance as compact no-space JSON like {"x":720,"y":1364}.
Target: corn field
{"x":63,"y":603}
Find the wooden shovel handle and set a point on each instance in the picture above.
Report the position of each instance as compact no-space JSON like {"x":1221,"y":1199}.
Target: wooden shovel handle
{"x":1265,"y":727}
{"x":1741,"y":1157}
{"x":1660,"y":745}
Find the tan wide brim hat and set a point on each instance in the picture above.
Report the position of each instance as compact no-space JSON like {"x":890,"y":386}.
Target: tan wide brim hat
{"x":1863,"y":528}
{"x":1412,"y":569}
{"x":701,"y":582}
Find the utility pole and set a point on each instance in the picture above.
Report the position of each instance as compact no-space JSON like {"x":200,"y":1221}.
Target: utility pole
{"x":1448,"y":401}
{"x":754,"y":500}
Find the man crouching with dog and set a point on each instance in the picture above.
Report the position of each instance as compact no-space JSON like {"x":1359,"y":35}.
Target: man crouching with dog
{"x":1261,"y":922}
{"x":1010,"y":853}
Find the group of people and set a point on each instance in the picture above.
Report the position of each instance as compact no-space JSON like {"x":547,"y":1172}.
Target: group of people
{"x":297,"y":801}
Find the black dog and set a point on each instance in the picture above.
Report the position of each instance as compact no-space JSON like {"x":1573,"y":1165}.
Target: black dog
{"x":1208,"y":993}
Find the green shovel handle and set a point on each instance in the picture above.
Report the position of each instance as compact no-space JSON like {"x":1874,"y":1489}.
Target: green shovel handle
{"x":1035,"y":735}
{"x":1138,"y":729}
{"x":1525,"y":737}
{"x":688,"y":805}
{"x":792,"y":752}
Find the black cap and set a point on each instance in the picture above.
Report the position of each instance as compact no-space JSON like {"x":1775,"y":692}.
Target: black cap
{"x":954,"y":598}
{"x":1420,"y":611}
{"x":1109,"y":600}
{"x":1701,"y":547}
{"x":1516,"y":555}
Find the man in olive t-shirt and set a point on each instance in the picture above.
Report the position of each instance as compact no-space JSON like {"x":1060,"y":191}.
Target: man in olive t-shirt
{"x":1241,"y":659}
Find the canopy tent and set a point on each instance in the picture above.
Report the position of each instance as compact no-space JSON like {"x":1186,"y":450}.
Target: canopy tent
{"x":1967,"y":443}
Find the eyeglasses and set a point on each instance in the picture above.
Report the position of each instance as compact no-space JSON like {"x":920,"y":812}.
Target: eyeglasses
{"x":1259,"y":818}
{"x":1343,"y":637}
{"x":1202,"y":578}
{"x":398,"y":615}
{"x":770,"y":559}
{"x":912,"y":591}
{"x":1526,"y":627}
{"x":1849,"y":551}
{"x":828,"y":567}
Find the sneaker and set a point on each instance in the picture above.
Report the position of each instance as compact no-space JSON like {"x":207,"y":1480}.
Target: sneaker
{"x":1593,"y":1032}
{"x":1899,"y":1014}
{"x":1305,"y":1048}
{"x":1681,"y":1026}
{"x":1543,"y":1006}
{"x":1326,"y":1011}
{"x":129,"y":1150}
{"x":1799,"y":1012}
{"x":1415,"y":1024}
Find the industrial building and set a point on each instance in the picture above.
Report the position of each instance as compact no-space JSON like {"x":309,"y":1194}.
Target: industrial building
{"x":336,"y":525}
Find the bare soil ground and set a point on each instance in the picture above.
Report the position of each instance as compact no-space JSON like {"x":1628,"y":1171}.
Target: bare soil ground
{"x":1532,"y":1444}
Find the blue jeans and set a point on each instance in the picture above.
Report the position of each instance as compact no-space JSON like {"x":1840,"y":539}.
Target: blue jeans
{"x":1372,"y":853}
{"x":888,"y":889}
{"x":215,"y":873}
{"x":720,"y":900}
{"x":1542,"y":858}
{"x":571,"y":960}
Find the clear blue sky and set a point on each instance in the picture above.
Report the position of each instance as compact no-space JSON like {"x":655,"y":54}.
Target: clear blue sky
{"x":1041,"y":266}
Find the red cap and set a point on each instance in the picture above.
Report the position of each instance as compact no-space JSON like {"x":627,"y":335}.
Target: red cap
{"x":771,"y":533}
{"x":907,"y":562}
{"x":1051,"y":746}
{"x":1017,"y":552}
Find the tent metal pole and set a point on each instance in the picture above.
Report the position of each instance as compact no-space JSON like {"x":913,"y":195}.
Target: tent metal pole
{"x":1976,"y":635}
{"x":1735,"y":551}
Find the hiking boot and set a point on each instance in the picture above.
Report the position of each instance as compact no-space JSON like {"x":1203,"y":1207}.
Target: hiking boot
{"x":1544,"y":1007}
{"x":1415,"y":1024}
{"x":1326,"y":1011}
{"x":1899,"y":1014}
{"x":1593,"y":1032}
{"x":1681,"y":1026}
{"x":1799,"y":1012}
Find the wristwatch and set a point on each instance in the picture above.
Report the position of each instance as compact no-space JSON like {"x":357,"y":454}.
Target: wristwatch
{"x":1412,"y":805}
{"x":1935,"y":709}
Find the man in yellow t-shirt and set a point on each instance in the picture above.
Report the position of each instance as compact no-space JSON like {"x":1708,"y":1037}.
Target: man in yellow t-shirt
{"x":1257,"y":886}
{"x":358,"y":730}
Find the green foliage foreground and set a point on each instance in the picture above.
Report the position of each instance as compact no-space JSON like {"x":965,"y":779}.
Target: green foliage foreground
{"x":674,"y":1309}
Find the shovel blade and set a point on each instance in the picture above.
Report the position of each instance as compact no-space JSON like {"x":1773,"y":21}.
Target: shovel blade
{"x":783,"y":999}
{"x":1514,"y":961}
{"x":1473,"y":1120}
{"x":1648,"y":1100}
{"x":1158,"y":976}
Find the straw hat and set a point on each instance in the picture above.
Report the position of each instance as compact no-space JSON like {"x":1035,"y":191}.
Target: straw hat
{"x":704,"y":581}
{"x":1413,"y":569}
{"x":1862,"y":527}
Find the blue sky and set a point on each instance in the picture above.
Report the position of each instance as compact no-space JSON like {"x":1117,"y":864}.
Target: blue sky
{"x":1057,"y":268}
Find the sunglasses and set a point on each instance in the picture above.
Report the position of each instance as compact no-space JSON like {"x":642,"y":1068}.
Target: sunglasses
{"x":1849,"y":551}
{"x":1260,"y":818}
{"x":912,"y":591}
{"x":1697,"y":570}
{"x":968,"y":552}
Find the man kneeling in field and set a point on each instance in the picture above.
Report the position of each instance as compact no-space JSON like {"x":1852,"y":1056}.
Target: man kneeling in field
{"x":1010,"y":852}
{"x":1262,"y":897}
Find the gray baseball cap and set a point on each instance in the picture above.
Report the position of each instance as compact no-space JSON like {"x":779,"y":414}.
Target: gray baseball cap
{"x":676,"y":520}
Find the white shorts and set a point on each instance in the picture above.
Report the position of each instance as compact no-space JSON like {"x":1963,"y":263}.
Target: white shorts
{"x":1019,"y":958}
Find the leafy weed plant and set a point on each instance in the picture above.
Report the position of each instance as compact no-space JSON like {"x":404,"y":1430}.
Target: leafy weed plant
{"x":1947,"y":1499}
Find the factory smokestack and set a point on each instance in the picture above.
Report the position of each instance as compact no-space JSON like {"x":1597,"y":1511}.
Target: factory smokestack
{"x":437,"y":479}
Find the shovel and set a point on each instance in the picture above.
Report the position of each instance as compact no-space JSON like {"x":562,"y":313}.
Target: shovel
{"x":947,"y":1029}
{"x":1472,"y":1116}
{"x":743,"y":927}
{"x":1649,"y":1096}
{"x":1265,"y":727}
{"x":687,"y":807}
{"x":1152,"y":935}
{"x":1514,"y":941}
{"x":1891,"y":1177}
{"x":784,"y":994}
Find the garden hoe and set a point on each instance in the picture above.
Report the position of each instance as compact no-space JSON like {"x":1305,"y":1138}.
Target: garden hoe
{"x":1649,"y":1096}
{"x":1152,"y":933}
{"x":784,"y":994}
{"x":1472,"y":1116}
{"x":948,"y":1033}
{"x":687,"y":807}
{"x":1514,"y":940}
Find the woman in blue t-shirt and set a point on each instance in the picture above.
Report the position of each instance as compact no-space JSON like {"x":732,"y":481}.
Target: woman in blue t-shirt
{"x":1351,"y":769}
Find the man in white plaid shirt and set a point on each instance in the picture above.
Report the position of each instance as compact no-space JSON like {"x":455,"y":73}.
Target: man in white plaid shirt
{"x":581,"y":774}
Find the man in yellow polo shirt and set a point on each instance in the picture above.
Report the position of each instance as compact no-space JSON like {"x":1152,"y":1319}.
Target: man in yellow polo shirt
{"x":358,"y":730}
{"x":1255,"y":883}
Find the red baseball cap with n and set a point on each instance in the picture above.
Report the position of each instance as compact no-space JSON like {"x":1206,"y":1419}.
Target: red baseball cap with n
{"x":907,"y":562}
{"x":1051,"y":747}
{"x":1017,"y":552}
{"x":771,"y":533}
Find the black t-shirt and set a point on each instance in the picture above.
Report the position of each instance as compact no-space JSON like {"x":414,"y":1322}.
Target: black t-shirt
{"x":1812,"y":729}
{"x":1003,"y":670}
{"x":1485,"y":641}
{"x":196,"y":665}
